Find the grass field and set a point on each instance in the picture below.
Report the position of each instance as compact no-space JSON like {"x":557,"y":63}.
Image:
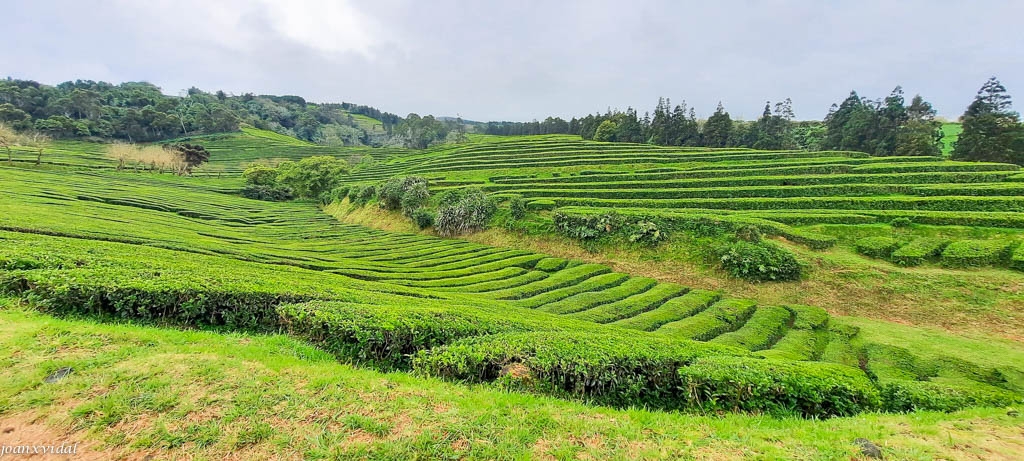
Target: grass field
{"x":950,"y":133}
{"x":203,"y":324}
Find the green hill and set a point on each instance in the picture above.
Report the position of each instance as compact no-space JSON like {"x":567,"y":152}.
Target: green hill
{"x":448,"y":325}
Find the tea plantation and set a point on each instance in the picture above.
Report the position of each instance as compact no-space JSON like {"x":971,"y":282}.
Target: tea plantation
{"x":137,"y":250}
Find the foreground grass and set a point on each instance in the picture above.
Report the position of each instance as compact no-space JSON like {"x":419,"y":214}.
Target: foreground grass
{"x":137,"y":391}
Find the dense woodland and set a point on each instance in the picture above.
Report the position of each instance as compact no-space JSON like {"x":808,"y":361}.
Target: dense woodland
{"x":140,"y":112}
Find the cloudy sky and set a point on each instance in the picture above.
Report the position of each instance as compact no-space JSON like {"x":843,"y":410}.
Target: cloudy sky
{"x":526,"y":59}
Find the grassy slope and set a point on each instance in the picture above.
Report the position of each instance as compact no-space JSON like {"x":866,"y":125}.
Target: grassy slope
{"x":950,"y":133}
{"x":141,"y":390}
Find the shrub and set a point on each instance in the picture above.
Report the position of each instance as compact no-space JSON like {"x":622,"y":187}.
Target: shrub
{"x":423,"y":218}
{"x":366,"y":194}
{"x":918,"y":251}
{"x":1017,"y":262}
{"x":759,"y":262}
{"x":354,"y":192}
{"x":267,"y":193}
{"x":407,"y":193}
{"x":974,"y":253}
{"x":749,"y":233}
{"x":778,"y":387}
{"x":647,"y":233}
{"x":260,"y":175}
{"x":470,"y":211}
{"x":877,"y":247}
{"x":586,"y":227}
{"x":901,"y":222}
{"x":517,"y":207}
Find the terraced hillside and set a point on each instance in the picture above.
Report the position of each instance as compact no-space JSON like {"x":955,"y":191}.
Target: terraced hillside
{"x":184,"y":252}
{"x":795,"y":195}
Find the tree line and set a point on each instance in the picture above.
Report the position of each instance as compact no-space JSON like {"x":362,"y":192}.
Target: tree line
{"x":887,"y":126}
{"x":140,"y":112}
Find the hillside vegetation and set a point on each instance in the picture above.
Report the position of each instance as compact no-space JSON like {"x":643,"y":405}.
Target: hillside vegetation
{"x":456,"y":322}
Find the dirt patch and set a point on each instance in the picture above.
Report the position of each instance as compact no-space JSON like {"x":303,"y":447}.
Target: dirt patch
{"x":30,"y":430}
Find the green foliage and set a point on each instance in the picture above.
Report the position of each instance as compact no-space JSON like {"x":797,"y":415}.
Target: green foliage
{"x":777,"y":387}
{"x":909,"y":395}
{"x":517,"y":207}
{"x":366,"y":193}
{"x":312,"y":176}
{"x":260,"y":175}
{"x":606,"y":131}
{"x":541,"y":205}
{"x":764,"y":328}
{"x":919,"y":250}
{"x":974,"y":253}
{"x":646,"y":232}
{"x":586,"y":227}
{"x":758,"y":262}
{"x":141,"y":112}
{"x":877,"y":247}
{"x":423,"y":218}
{"x":606,"y":368}
{"x":406,"y":193}
{"x":992,"y":132}
{"x":463,"y":211}
{"x":901,"y":221}
{"x":749,"y":233}
{"x":267,"y":193}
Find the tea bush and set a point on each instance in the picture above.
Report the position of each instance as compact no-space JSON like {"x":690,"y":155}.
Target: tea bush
{"x":759,"y":262}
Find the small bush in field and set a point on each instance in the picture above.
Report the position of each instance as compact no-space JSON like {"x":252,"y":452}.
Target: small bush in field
{"x":758,"y":262}
{"x":517,"y":206}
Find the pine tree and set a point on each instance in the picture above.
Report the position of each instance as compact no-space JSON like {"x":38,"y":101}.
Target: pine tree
{"x":992,"y":132}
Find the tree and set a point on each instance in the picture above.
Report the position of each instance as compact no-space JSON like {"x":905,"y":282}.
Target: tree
{"x":312,"y":176}
{"x":920,"y":134}
{"x":9,"y":138}
{"x":718,"y":128}
{"x":37,"y":141}
{"x":193,"y":154}
{"x":606,"y":131}
{"x":992,"y":132}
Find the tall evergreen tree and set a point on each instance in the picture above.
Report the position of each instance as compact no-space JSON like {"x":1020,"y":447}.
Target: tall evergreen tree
{"x":718,"y":128}
{"x":992,"y":132}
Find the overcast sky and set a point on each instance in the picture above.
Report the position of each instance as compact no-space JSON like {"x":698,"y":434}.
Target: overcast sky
{"x":525,"y":59}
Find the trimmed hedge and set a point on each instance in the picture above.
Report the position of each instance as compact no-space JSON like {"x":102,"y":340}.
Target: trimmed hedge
{"x":910,"y":395}
{"x":919,"y":251}
{"x":384,"y":336}
{"x":765,"y":327}
{"x":587,"y":300}
{"x":674,"y":309}
{"x":722,"y":317}
{"x":877,"y":247}
{"x":612,"y":368}
{"x":540,"y":205}
{"x":777,"y":387}
{"x":551,"y":264}
{"x":632,"y":305}
{"x":975,"y":253}
{"x":601,"y":282}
